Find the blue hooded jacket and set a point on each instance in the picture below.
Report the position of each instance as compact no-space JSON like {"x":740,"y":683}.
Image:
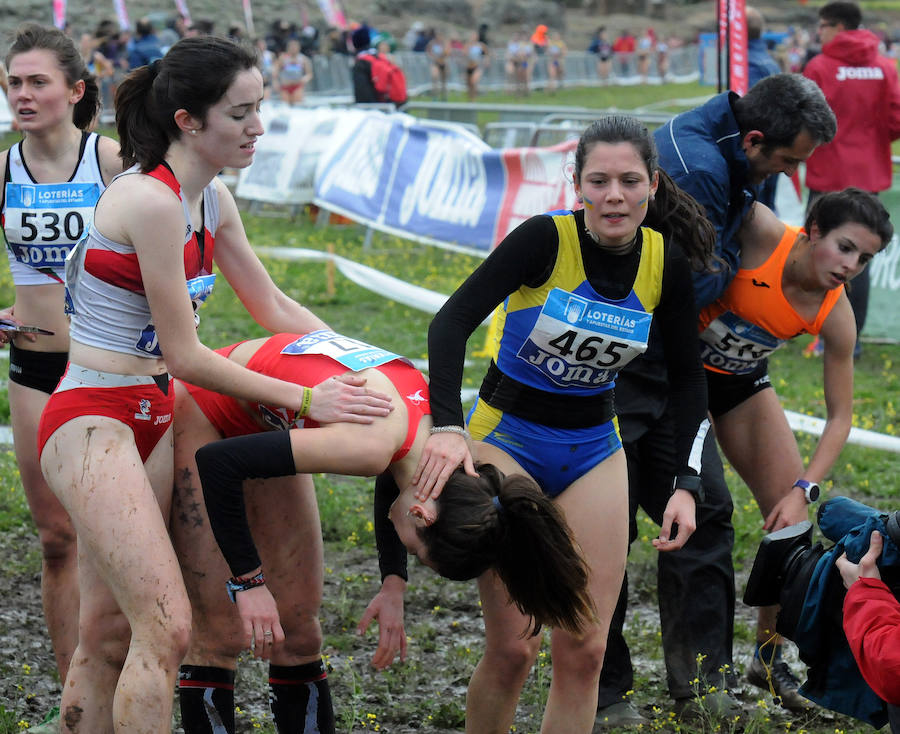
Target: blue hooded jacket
{"x":701,"y":150}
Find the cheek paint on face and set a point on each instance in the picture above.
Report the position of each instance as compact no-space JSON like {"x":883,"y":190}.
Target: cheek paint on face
{"x":643,"y":203}
{"x":588,"y":204}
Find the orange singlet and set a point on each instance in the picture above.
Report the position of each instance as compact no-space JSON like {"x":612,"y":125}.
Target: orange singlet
{"x":753,"y":318}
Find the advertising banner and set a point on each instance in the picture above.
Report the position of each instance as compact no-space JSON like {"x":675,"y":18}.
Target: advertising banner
{"x":437,"y":183}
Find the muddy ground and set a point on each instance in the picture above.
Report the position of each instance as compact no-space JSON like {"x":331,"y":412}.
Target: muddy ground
{"x":427,"y":693}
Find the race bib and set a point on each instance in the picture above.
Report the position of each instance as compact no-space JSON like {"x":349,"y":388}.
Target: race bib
{"x":44,"y":221}
{"x":734,"y":345}
{"x":577,"y":342}
{"x":199,"y":289}
{"x":353,"y":354}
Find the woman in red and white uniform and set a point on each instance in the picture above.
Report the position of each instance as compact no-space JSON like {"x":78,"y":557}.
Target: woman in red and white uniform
{"x":105,"y":436}
{"x":52,"y":179}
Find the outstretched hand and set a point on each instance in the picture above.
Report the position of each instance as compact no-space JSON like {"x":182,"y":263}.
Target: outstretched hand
{"x":259,"y":616}
{"x":346,"y":399}
{"x":867,"y":566}
{"x":681,"y":509}
{"x":387,"y":608}
{"x":442,"y":453}
{"x":791,"y":509}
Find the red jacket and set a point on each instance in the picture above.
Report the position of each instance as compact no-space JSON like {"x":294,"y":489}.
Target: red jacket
{"x":872,"y":626}
{"x":862,"y":88}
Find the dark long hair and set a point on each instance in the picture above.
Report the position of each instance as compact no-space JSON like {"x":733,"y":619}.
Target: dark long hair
{"x":851,"y":205}
{"x":672,"y":212}
{"x":522,"y":535}
{"x":193,"y":75}
{"x":33,"y":36}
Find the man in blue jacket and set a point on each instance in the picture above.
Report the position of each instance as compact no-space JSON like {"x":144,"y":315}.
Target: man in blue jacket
{"x":719,"y":152}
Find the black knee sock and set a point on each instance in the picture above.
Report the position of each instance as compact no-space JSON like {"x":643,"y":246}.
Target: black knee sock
{"x":206,"y":696}
{"x":301,"y":699}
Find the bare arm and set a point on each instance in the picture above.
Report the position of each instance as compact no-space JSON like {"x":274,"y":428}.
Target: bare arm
{"x":156,"y":230}
{"x":265,"y":302}
{"x":839,"y":334}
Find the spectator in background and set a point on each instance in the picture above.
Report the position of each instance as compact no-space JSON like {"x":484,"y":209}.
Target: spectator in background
{"x":203,"y":27}
{"x":422,"y":40}
{"x":145,"y":47}
{"x":624,"y":47}
{"x":483,"y":29}
{"x":759,"y":62}
{"x":172,"y":32}
{"x":556,"y":61}
{"x":539,"y":39}
{"x":291,"y":72}
{"x":476,"y":54}
{"x":862,"y":88}
{"x":603,"y":49}
{"x":309,"y":40}
{"x":278,"y":36}
{"x":336,"y":41}
{"x":759,"y":65}
{"x":438,"y":50}
{"x":266,"y":61}
{"x":363,"y":86}
{"x":412,"y":35}
{"x":646,"y":45}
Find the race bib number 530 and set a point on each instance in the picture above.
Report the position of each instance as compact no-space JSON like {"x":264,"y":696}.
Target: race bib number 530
{"x":577,"y":342}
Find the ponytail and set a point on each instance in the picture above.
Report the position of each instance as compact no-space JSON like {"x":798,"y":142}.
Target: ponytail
{"x":510,"y":525}
{"x":141,"y":137}
{"x":193,"y":75}
{"x":678,"y":216}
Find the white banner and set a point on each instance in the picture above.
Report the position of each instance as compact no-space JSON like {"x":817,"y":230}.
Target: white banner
{"x":284,"y":167}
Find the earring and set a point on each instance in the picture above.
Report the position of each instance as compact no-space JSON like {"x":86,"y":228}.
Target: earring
{"x":193,"y":132}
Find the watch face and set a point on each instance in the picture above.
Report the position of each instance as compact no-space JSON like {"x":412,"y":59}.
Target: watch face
{"x":812,"y":492}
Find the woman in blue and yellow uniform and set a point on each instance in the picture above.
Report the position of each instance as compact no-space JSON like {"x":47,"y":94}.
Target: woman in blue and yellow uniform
{"x":52,"y":179}
{"x":578,"y":292}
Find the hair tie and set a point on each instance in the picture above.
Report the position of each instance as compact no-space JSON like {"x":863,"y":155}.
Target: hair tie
{"x":499,"y":505}
{"x":154,"y":67}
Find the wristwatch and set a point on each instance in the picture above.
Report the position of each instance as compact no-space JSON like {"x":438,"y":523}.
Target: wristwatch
{"x":810,"y":490}
{"x":690,"y":483}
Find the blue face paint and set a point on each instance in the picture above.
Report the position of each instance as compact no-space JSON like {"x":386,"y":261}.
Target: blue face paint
{"x":643,"y":203}
{"x":587,"y":202}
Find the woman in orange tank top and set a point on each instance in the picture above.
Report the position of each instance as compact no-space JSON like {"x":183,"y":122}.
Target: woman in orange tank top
{"x":792,"y":281}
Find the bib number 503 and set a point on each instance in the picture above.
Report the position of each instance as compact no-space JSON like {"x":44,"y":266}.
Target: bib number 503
{"x":602,"y":352}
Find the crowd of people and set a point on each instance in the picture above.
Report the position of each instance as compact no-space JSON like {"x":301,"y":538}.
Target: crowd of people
{"x":671,"y":283}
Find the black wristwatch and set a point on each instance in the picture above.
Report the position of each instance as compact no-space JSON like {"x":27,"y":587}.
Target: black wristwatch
{"x":690,"y":483}
{"x":810,"y":490}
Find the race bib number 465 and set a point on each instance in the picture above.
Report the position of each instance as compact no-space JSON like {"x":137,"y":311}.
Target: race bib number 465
{"x":577,"y":342}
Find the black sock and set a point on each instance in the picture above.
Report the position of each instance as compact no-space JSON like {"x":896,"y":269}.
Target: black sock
{"x":206,"y":696}
{"x":301,"y":699}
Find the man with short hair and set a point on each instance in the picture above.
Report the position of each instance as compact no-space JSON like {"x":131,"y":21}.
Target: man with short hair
{"x":719,"y":152}
{"x":862,"y":88}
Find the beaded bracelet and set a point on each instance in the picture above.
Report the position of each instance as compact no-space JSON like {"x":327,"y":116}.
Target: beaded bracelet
{"x":451,"y":429}
{"x":305,"y":402}
{"x":234,"y":585}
